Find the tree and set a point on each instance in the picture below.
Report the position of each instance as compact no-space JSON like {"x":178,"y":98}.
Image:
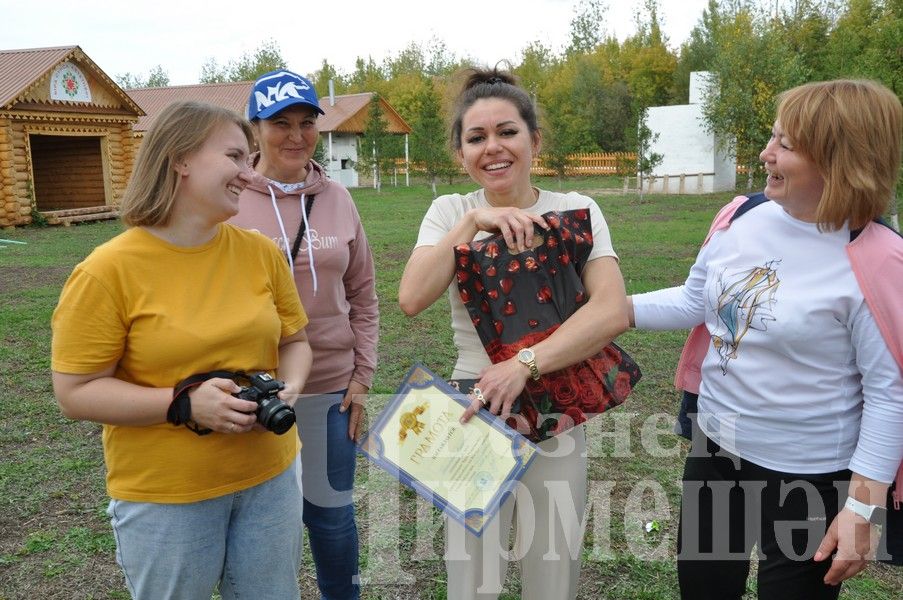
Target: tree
{"x":428,"y":145}
{"x":586,"y":27}
{"x":697,"y":53}
{"x":646,"y":160}
{"x":323,"y":76}
{"x":536,"y":65}
{"x":439,"y":61}
{"x":867,"y":42}
{"x":264,"y":59}
{"x":248,"y":67}
{"x":649,"y":61}
{"x":556,"y":149}
{"x":805,"y":27}
{"x":212,"y":72}
{"x":373,"y":144}
{"x":408,"y":60}
{"x":156,"y":77}
{"x":367,"y":76}
{"x":752,"y":65}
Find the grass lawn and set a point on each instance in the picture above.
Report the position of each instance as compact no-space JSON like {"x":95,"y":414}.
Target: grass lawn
{"x":55,"y":541}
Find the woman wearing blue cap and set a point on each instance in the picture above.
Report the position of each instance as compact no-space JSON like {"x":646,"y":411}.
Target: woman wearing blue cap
{"x":314,"y":221}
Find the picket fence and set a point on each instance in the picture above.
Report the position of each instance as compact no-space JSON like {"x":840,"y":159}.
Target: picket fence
{"x":587,"y":163}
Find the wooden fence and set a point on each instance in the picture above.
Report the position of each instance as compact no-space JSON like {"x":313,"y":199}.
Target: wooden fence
{"x":589,"y":163}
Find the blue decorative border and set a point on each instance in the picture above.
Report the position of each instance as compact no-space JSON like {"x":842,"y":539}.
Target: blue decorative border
{"x":420,"y":377}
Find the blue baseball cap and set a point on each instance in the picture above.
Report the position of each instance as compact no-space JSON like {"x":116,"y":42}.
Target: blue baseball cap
{"x":279,"y":89}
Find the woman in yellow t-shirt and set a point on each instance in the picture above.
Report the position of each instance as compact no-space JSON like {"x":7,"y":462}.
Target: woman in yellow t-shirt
{"x":202,"y":494}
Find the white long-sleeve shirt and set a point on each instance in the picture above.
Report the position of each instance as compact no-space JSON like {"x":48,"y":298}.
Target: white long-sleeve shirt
{"x":797,"y":377}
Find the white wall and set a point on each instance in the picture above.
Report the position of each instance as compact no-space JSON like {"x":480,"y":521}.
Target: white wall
{"x":344,"y":147}
{"x":687,"y":149}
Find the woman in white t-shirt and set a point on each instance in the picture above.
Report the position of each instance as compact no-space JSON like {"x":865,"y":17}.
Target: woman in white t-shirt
{"x":799,"y":426}
{"x":495,"y":135}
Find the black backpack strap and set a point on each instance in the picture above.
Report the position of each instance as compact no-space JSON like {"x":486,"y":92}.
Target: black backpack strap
{"x":752,"y":202}
{"x":854,"y":233}
{"x":302,"y":226}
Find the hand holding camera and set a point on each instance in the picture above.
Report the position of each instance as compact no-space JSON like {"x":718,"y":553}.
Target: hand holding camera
{"x":272,"y":413}
{"x":202,"y":412}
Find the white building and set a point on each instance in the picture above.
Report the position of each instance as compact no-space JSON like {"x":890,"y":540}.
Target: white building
{"x":693,"y":162}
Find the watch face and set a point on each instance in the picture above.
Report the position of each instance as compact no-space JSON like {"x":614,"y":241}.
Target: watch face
{"x":525,"y":355}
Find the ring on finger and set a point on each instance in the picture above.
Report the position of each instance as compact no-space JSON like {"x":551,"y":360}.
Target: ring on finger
{"x":231,"y":427}
{"x":478,"y":394}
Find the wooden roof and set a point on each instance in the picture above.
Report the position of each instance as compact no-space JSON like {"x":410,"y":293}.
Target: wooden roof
{"x":231,"y":96}
{"x":348,"y":115}
{"x":22,"y":71}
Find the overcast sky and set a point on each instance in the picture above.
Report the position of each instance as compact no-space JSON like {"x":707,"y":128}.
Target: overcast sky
{"x":180,"y":35}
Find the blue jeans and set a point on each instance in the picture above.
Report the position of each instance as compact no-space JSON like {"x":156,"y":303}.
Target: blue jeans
{"x":328,"y":458}
{"x":249,"y":542}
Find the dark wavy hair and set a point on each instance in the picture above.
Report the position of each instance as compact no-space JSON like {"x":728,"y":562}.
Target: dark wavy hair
{"x":491,"y":83}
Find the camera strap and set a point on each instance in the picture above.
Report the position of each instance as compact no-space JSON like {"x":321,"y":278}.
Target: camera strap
{"x":179,"y":412}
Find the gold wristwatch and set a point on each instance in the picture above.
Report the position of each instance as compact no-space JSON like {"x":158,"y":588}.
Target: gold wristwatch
{"x":527,"y":357}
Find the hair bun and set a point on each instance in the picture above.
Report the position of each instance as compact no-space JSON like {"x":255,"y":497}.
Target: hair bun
{"x":488,"y":77}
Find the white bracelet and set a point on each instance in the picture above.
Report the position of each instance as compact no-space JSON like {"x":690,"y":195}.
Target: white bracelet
{"x":870,"y":512}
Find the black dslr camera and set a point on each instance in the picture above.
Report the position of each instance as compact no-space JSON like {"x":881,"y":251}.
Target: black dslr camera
{"x":274,"y":414}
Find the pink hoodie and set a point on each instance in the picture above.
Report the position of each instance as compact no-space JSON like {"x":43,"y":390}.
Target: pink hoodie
{"x":876,"y":258}
{"x":333,"y":272}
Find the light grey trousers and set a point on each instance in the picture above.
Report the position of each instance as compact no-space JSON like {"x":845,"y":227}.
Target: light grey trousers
{"x":546,"y":512}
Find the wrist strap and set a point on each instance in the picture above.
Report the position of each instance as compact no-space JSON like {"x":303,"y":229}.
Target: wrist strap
{"x":179,"y":411}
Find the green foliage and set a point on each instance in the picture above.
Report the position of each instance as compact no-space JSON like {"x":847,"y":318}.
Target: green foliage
{"x":212,"y":72}
{"x":156,"y":77}
{"x":366,"y":77}
{"x":428,"y":138}
{"x":646,"y":160}
{"x":586,"y":27}
{"x":373,"y":154}
{"x":37,"y":218}
{"x":248,"y":67}
{"x":321,"y":78}
{"x":867,"y":42}
{"x":535,"y":66}
{"x":320,"y":152}
{"x":753,"y":63}
{"x":697,"y":53}
{"x":649,"y":62}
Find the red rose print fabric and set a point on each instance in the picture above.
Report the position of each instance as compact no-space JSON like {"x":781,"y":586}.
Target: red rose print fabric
{"x":516,"y":300}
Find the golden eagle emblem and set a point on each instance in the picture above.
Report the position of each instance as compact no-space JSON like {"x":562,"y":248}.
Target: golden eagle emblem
{"x":409,"y":422}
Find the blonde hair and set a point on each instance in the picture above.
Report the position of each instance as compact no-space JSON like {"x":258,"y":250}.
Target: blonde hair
{"x":179,"y":130}
{"x":851,"y":130}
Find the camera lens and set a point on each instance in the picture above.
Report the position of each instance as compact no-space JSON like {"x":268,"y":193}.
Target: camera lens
{"x":275,"y":415}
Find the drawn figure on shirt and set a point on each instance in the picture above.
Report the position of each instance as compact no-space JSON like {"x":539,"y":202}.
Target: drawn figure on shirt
{"x":743,"y":302}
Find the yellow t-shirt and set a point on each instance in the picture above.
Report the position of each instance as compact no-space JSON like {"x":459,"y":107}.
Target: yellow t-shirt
{"x":162,"y":313}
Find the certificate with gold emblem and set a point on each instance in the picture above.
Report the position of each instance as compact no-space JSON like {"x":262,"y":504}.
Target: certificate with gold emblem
{"x":466,"y":470}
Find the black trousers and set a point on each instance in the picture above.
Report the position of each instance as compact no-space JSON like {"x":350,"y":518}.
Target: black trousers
{"x":729,"y":505}
{"x":891,"y":547}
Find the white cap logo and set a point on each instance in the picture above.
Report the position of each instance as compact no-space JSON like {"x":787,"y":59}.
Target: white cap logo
{"x":279,"y":92}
